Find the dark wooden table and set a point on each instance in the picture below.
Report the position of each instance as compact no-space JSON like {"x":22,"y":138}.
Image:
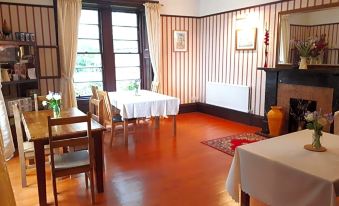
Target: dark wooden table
{"x":35,"y":124}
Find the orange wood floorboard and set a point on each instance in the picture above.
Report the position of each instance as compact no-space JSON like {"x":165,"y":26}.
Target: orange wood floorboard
{"x":155,"y":168}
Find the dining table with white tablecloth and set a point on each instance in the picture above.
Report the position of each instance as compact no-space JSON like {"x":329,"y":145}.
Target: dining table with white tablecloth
{"x":144,"y":104}
{"x":279,"y":171}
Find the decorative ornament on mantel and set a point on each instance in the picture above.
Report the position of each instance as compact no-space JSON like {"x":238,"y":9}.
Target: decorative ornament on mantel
{"x":266,"y":41}
{"x":6,"y":30}
{"x":304,"y":48}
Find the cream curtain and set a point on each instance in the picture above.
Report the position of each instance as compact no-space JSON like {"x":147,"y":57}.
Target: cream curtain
{"x":284,"y":39}
{"x":152,"y":11}
{"x":6,"y":138}
{"x":7,"y":196}
{"x":68,"y":23}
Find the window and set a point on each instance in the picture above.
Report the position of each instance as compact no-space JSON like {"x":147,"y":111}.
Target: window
{"x":126,"y":48}
{"x":88,"y":69}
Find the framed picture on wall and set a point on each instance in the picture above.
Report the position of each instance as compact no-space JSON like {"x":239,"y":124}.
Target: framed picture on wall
{"x":246,"y":39}
{"x":180,"y":41}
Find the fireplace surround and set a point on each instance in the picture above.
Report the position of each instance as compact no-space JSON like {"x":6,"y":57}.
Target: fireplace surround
{"x":320,"y":85}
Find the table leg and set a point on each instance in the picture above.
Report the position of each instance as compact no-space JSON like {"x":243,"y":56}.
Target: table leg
{"x":99,"y":161}
{"x":39,"y":152}
{"x":157,"y":122}
{"x":244,"y":199}
{"x":126,"y":131}
{"x":174,"y":119}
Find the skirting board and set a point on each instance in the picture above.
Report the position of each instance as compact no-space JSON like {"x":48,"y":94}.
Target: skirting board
{"x":241,"y":117}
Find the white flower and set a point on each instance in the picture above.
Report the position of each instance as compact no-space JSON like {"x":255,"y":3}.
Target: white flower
{"x":57,"y":96}
{"x":309,"y":117}
{"x":49,"y":96}
{"x":44,"y":103}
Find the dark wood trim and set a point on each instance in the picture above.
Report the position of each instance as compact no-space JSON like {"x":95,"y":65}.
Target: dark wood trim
{"x":241,"y":117}
{"x":108,"y":63}
{"x":187,"y":108}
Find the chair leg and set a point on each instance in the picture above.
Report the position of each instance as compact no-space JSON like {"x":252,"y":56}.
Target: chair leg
{"x":23,"y":173}
{"x":112,"y":133}
{"x":86,"y":180}
{"x":92,"y":186}
{"x":55,"y":191}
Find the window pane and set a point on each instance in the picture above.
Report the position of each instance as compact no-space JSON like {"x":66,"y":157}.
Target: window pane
{"x":123,"y":85}
{"x":87,"y":74}
{"x":125,"y":33}
{"x":124,"y":19}
{"x":84,"y":89}
{"x":126,"y":73}
{"x":88,"y":31}
{"x":88,"y":60}
{"x":87,"y":45}
{"x":89,"y":17}
{"x":125,"y":46}
{"x":127,"y":60}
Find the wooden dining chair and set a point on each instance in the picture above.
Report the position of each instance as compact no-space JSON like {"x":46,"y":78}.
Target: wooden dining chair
{"x":96,"y":109}
{"x":155,"y":87}
{"x":38,"y":102}
{"x":111,"y":114}
{"x":73,"y":162}
{"x":94,"y":91}
{"x":25,"y":148}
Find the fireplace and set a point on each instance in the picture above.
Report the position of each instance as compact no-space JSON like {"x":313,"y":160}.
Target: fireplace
{"x":320,"y":86}
{"x":322,"y":96}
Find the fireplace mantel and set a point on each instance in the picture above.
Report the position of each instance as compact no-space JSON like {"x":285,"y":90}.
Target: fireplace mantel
{"x":317,"y":77}
{"x":332,"y":70}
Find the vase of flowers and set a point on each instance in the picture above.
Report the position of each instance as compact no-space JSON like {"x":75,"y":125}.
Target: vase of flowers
{"x":53,"y":102}
{"x":316,"y":121}
{"x":134,"y":86}
{"x":304,"y":48}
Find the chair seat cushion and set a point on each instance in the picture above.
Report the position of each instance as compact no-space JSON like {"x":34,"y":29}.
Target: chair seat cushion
{"x":117,"y":118}
{"x":71,"y":159}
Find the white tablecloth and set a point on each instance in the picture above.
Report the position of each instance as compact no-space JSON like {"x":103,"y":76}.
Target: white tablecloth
{"x":146,"y":104}
{"x":279,"y":171}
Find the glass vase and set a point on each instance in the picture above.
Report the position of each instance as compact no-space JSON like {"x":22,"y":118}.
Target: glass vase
{"x":56,"y":111}
{"x":316,"y":140}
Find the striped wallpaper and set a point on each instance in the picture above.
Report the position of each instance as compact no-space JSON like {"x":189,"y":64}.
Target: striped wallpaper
{"x":211,"y":54}
{"x":39,"y":20}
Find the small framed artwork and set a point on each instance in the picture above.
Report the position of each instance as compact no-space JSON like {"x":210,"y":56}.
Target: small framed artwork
{"x":246,"y":39}
{"x":180,"y":41}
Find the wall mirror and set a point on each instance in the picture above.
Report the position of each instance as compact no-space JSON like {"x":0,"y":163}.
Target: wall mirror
{"x":319,"y":25}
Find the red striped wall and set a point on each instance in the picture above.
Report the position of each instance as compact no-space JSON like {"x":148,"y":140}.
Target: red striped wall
{"x":212,"y":56}
{"x":39,"y":20}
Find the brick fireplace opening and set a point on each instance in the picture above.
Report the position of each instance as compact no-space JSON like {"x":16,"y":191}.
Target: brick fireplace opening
{"x":323,"y":96}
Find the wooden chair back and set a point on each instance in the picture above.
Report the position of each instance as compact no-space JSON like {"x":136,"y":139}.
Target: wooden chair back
{"x":94,"y":92}
{"x":38,"y":102}
{"x":19,"y":135}
{"x":155,"y":87}
{"x":56,"y":143}
{"x":107,"y":107}
{"x":96,"y":109}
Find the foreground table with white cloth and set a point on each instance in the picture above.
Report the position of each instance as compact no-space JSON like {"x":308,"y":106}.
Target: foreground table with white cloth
{"x":279,"y":171}
{"x":145,"y":104}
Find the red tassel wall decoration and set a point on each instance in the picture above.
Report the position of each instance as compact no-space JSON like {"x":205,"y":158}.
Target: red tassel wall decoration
{"x":266,"y":41}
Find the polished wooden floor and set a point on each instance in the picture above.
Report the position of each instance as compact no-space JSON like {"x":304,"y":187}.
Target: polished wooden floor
{"x":154,"y":169}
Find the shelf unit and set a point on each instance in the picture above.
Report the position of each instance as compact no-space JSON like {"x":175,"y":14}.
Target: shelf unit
{"x":18,"y":88}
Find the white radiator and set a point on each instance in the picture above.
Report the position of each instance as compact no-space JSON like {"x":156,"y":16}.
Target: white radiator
{"x":236,"y":97}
